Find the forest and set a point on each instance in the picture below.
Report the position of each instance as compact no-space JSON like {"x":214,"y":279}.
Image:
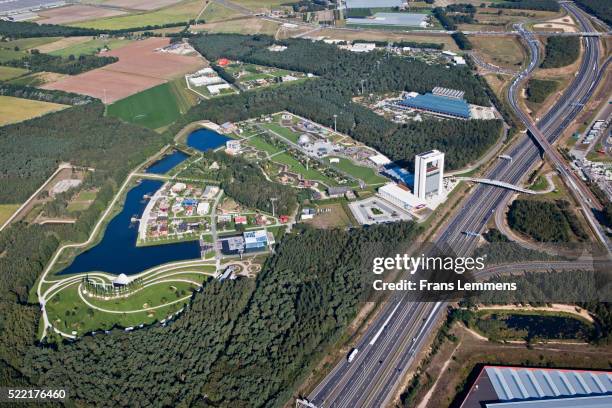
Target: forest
{"x":600,"y":8}
{"x":331,"y":93}
{"x":539,"y":89}
{"x":243,"y":343}
{"x":544,"y":5}
{"x":81,"y":135}
{"x":45,"y":95}
{"x":546,"y":221}
{"x":560,"y":51}
{"x":463,"y":42}
{"x":38,"y":62}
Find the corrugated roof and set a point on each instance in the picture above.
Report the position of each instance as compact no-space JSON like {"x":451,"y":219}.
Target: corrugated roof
{"x":524,"y":383}
{"x":439,"y":104}
{"x":598,"y":401}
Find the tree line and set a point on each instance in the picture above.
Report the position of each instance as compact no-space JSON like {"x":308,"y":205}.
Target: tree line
{"x":71,"y":65}
{"x":45,"y":95}
{"x":544,"y":5}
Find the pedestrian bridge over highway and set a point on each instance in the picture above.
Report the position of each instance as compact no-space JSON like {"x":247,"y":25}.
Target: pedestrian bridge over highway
{"x":497,"y":183}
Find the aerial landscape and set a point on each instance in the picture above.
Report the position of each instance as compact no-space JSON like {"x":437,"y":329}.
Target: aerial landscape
{"x":306,"y":203}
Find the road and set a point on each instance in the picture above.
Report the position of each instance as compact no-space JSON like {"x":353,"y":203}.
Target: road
{"x":373,"y":377}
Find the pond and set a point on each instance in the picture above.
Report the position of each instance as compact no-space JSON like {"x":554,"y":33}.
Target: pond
{"x":206,"y":139}
{"x":167,"y":163}
{"x":118,"y":253}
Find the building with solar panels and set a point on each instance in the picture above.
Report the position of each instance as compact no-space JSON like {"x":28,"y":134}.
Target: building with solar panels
{"x":438,"y":104}
{"x":534,"y":387}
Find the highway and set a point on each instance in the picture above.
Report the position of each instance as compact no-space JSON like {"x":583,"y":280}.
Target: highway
{"x":387,"y":348}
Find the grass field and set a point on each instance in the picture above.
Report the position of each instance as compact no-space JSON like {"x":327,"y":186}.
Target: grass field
{"x":366,"y":174}
{"x":90,"y":47}
{"x":29,"y":43}
{"x":7,"y":73}
{"x":68,"y":312}
{"x":184,"y":11}
{"x":505,"y":52}
{"x":216,"y":12}
{"x":6,"y":210}
{"x":13,"y":110}
{"x":260,"y":144}
{"x":297,"y":167}
{"x":156,"y":107}
{"x":283,"y":131}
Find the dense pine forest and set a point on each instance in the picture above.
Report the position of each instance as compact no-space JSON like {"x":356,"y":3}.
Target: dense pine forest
{"x":600,"y":8}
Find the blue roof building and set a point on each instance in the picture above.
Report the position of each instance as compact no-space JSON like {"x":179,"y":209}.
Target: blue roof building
{"x":399,"y":174}
{"x":255,"y":239}
{"x":456,"y":108}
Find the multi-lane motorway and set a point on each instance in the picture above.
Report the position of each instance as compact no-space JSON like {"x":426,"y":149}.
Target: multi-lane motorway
{"x":401,"y":329}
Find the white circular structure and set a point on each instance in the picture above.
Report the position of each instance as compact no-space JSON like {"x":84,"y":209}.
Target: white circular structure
{"x":304,"y":139}
{"x":121,"y":280}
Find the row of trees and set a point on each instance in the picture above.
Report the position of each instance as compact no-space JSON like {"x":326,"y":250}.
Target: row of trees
{"x":544,"y":5}
{"x":45,"y":95}
{"x":38,"y":62}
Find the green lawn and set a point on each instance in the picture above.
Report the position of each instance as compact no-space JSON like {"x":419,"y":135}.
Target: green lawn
{"x":283,"y":131}
{"x":7,"y":73}
{"x":6,"y":210}
{"x":297,"y":167}
{"x":181,"y":12}
{"x":156,"y":107}
{"x":366,"y":174}
{"x":260,"y":144}
{"x":10,"y":54}
{"x":90,"y":47}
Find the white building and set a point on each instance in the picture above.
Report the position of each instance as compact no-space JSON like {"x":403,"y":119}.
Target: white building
{"x":379,"y":159}
{"x":429,"y":174}
{"x":203,"y":207}
{"x":216,"y":89}
{"x":400,"y":196}
{"x":233,"y":146}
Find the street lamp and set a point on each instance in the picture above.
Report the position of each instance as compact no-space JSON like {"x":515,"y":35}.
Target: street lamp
{"x":335,"y":117}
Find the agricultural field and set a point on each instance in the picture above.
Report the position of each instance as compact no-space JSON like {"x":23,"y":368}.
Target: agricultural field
{"x":91,"y":47}
{"x":330,"y":216}
{"x":139,"y":67}
{"x":13,"y":110}
{"x":156,"y":107}
{"x":242,"y":26}
{"x":75,"y":13}
{"x":139,"y":4}
{"x":181,"y":12}
{"x":37,"y":78}
{"x":8,"y":73}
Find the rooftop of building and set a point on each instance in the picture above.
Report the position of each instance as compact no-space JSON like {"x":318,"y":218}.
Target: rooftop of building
{"x":440,"y":104}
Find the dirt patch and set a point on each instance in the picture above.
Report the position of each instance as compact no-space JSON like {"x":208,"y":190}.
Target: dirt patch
{"x":566,"y":28}
{"x":330,"y":216}
{"x":71,"y":14}
{"x":139,"y":67}
{"x":141,"y":4}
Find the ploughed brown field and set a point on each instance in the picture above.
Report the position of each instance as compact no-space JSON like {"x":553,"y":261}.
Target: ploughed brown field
{"x":71,"y":14}
{"x":139,"y":67}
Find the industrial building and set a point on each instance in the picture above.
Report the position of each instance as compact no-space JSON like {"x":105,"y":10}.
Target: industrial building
{"x":534,"y":387}
{"x":399,"y":174}
{"x":441,"y":105}
{"x":400,"y":196}
{"x":429,"y":174}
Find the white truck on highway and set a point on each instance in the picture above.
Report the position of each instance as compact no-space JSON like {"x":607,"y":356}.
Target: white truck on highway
{"x":351,"y":356}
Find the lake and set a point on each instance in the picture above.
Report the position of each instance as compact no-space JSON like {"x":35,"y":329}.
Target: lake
{"x":206,"y":139}
{"x":167,"y":163}
{"x":117,"y":252}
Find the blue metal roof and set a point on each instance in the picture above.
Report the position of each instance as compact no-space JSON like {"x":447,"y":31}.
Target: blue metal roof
{"x":599,"y":401}
{"x":525,"y":383}
{"x":399,"y":174}
{"x":439,"y":104}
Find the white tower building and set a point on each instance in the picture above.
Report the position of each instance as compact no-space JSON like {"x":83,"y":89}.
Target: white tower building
{"x":428,"y":174}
